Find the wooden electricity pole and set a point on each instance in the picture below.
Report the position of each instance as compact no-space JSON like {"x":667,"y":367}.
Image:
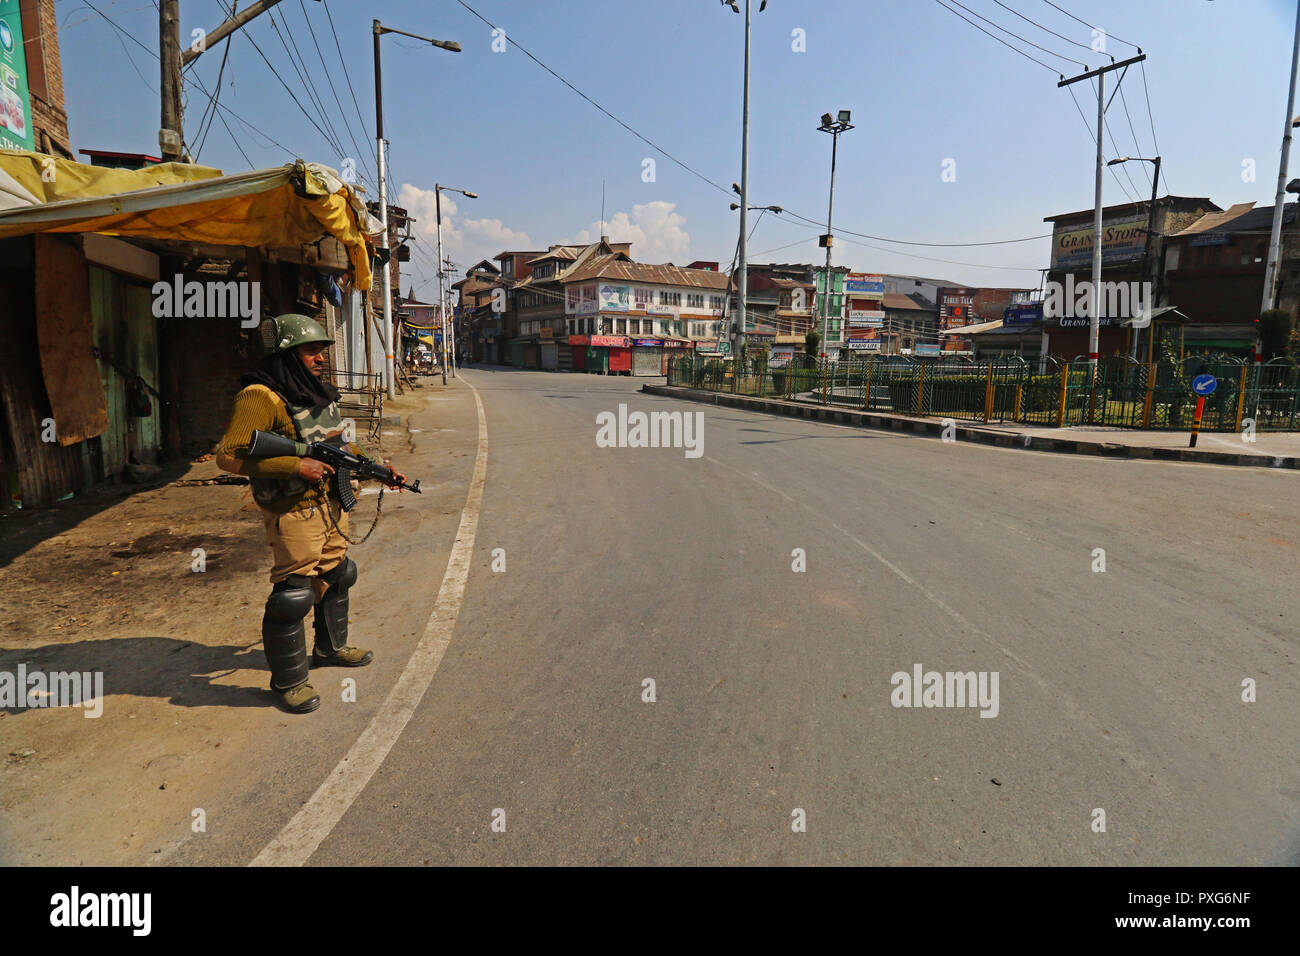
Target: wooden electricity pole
{"x":171,"y":135}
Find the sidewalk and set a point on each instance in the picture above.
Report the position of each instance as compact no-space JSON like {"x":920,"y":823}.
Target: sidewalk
{"x":1269,"y":450}
{"x":109,"y":586}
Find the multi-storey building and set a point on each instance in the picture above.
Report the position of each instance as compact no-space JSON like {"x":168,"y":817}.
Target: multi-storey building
{"x":625,"y":316}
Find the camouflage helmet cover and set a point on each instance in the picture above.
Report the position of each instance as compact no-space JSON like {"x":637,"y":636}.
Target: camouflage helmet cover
{"x":291,"y":330}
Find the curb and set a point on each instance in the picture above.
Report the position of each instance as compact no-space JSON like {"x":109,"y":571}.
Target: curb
{"x":934,"y":428}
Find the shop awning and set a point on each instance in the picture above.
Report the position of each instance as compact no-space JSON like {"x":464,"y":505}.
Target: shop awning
{"x":296,"y":204}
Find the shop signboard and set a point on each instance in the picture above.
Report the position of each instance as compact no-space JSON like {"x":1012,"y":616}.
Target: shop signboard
{"x":865,"y":286}
{"x":1121,"y":240}
{"x":647,"y":343}
{"x":615,"y":298}
{"x":15,"y":100}
{"x":1022,"y":314}
{"x":866,"y":318}
{"x":611,"y":341}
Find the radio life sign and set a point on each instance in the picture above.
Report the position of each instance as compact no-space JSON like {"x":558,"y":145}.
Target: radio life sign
{"x":1121,"y":240}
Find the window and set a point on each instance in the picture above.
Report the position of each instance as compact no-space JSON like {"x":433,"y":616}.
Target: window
{"x":507,"y":267}
{"x":571,"y":296}
{"x":715,"y":302}
{"x":677,"y":327}
{"x":643,"y":297}
{"x":694,"y":301}
{"x":622,"y":326}
{"x":670,"y":298}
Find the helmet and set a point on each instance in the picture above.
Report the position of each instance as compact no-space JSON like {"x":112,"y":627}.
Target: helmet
{"x":291,"y":330}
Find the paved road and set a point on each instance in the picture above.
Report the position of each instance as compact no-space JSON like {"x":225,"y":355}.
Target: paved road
{"x":1118,"y":691}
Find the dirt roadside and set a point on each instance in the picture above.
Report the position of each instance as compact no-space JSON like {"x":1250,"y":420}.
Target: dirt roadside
{"x":110,"y":586}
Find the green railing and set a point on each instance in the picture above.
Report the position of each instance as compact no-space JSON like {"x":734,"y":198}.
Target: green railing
{"x":1122,"y":393}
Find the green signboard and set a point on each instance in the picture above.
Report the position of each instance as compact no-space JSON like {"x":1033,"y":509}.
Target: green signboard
{"x":15,"y":101}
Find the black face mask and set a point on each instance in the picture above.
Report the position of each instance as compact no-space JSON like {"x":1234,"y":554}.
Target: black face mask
{"x":284,"y":373}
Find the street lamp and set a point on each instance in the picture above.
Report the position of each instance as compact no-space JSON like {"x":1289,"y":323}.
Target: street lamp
{"x":438,"y":190}
{"x":378,"y":29}
{"x":1147,"y":257}
{"x":833,"y":125}
{"x":742,"y":289}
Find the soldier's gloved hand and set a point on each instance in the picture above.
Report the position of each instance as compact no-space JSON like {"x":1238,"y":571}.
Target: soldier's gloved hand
{"x":313,"y":470}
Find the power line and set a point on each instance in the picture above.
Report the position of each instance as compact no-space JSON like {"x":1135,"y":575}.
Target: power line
{"x":343,"y":60}
{"x":332,"y":138}
{"x":283,"y":83}
{"x":1019,"y":37}
{"x":1124,"y":102}
{"x":1027,"y":56}
{"x":351,"y":135}
{"x":1154,"y":140}
{"x":644,"y":139}
{"x":1046,"y":29}
{"x":1091,"y":27}
{"x":1092,"y":136}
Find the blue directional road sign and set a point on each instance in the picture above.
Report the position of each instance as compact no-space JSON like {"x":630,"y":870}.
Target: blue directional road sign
{"x":1204,"y":385}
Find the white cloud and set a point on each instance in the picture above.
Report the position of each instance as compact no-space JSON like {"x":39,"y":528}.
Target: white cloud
{"x":464,"y":241}
{"x":654,"y":230}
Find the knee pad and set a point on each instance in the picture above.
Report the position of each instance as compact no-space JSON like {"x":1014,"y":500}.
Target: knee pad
{"x":342,"y":576}
{"x":291,"y":600}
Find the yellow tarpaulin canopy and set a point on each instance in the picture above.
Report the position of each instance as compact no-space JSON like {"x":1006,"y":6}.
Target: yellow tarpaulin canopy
{"x":296,"y":204}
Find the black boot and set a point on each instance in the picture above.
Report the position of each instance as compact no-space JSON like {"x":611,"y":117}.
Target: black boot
{"x":284,"y":640}
{"x":331,"y":621}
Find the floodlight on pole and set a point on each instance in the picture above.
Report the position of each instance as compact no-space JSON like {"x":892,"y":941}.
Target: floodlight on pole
{"x":834,"y":127}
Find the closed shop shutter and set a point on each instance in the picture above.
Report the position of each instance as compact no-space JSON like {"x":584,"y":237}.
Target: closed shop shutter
{"x":620,"y":360}
{"x":646,"y":360}
{"x":550,"y":355}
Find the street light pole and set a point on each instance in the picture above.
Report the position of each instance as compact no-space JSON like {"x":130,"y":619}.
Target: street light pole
{"x":1275,"y":235}
{"x":742,"y":285}
{"x":378,"y":29}
{"x":442,"y":295}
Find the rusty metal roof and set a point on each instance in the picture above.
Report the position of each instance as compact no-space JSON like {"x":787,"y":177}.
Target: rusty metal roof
{"x":615,"y":267}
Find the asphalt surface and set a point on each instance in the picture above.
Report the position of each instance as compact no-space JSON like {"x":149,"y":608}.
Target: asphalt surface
{"x":1118,"y":691}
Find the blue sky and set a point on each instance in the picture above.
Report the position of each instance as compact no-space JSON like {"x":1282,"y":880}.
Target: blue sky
{"x":923,"y":85}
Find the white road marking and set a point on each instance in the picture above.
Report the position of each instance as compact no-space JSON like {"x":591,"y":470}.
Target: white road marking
{"x":303,"y":834}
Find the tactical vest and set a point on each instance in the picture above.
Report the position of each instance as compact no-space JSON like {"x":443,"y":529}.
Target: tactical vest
{"x":310,"y":425}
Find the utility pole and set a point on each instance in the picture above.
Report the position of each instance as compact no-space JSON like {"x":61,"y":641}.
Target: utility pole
{"x":1094,"y":311}
{"x":450,"y":268}
{"x":1275,"y":237}
{"x":171,"y":135}
{"x":378,"y":30}
{"x":444,"y":264}
{"x":442,"y":302}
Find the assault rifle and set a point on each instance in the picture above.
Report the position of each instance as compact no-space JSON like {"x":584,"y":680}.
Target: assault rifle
{"x":345,"y":464}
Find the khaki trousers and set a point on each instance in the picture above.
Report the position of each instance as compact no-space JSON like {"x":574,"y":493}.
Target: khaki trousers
{"x":306,"y":542}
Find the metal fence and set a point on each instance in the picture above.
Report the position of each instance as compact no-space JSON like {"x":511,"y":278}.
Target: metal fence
{"x":1122,"y":393}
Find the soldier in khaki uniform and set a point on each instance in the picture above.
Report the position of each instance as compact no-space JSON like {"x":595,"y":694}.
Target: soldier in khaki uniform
{"x":305,"y":522}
